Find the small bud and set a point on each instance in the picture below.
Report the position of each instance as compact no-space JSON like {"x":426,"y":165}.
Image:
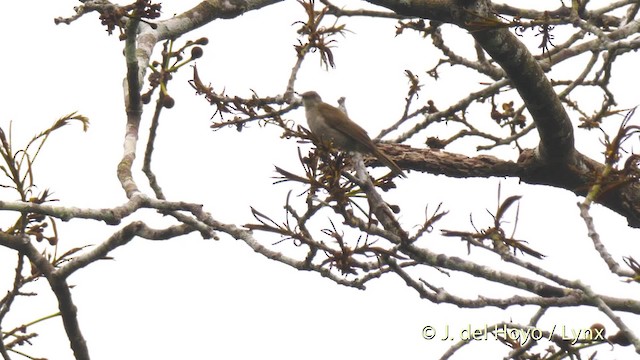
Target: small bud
{"x":53,"y":241}
{"x":168,"y":102}
{"x":598,"y":328}
{"x":196,"y":52}
{"x":146,"y":98}
{"x":619,"y":338}
{"x":202,"y":41}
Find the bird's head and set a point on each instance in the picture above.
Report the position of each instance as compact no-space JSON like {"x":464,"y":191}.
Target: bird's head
{"x":311,"y":98}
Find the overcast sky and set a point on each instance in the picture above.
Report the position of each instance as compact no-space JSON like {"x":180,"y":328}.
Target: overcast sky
{"x":189,"y":298}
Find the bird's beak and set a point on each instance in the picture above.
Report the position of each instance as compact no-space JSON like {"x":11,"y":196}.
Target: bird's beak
{"x":298,"y":100}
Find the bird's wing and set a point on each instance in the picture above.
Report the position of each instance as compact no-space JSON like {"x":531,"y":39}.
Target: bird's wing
{"x":333,"y":119}
{"x":338,"y":120}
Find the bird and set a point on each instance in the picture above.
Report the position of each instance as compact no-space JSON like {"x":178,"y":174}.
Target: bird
{"x":330,"y":123}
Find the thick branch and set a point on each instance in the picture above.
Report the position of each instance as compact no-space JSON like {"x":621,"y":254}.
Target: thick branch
{"x":526,"y":75}
{"x":555,"y":162}
{"x":530,"y":168}
{"x":69,"y":314}
{"x":578,"y":178}
{"x":450,"y":164}
{"x":60,"y":288}
{"x":133,"y":103}
{"x":119,"y":238}
{"x":204,"y":13}
{"x":567,"y":296}
{"x":439,"y":10}
{"x":138,"y":51}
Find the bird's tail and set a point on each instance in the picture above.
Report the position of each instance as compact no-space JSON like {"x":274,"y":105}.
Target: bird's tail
{"x":389,"y":163}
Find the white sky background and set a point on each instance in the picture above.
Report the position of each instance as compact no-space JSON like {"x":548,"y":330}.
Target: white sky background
{"x":189,"y":298}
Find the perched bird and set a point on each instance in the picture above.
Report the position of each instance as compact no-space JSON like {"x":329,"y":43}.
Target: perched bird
{"x":330,"y":123}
